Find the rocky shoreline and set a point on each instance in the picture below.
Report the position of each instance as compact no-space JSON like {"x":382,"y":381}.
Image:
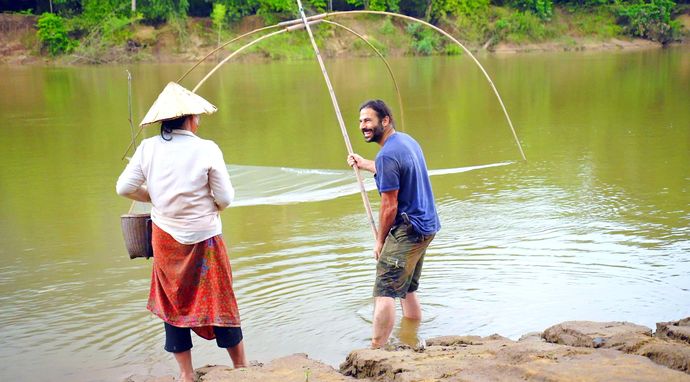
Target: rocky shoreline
{"x":569,"y":351}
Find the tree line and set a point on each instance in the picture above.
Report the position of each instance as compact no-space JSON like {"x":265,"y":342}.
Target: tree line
{"x":64,"y":21}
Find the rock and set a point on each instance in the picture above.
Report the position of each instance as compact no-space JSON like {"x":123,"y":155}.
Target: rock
{"x":532,"y":336}
{"x":570,"y":351}
{"x":500,"y":359}
{"x":675,"y":330}
{"x":623,"y":336}
{"x":670,"y":354}
{"x":454,"y":340}
{"x":294,"y":368}
{"x":629,"y":338}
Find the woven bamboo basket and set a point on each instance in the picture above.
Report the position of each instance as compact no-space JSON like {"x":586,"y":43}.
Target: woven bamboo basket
{"x":136,"y":229}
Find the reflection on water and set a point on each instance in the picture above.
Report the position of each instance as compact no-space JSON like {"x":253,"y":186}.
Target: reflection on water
{"x":408,"y":333}
{"x":595,"y":226}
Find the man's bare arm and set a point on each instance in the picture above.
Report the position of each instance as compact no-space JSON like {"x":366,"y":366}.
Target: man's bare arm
{"x":389,"y":208}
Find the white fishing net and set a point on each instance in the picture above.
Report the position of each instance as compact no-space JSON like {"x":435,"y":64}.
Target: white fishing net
{"x":259,"y":185}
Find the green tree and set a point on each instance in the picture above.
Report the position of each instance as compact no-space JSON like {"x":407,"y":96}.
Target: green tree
{"x":650,"y":19}
{"x":384,"y":5}
{"x":218,"y":17}
{"x":474,"y":10}
{"x":157,"y":11}
{"x":541,"y":8}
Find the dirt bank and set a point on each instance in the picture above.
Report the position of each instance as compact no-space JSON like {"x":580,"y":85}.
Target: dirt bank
{"x":18,"y":42}
{"x":571,"y":351}
{"x":163,"y":44}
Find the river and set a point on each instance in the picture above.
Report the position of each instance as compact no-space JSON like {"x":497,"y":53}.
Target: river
{"x":595,"y":225}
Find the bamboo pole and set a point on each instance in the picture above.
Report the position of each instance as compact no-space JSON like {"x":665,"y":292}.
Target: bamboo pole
{"x":339,"y":116}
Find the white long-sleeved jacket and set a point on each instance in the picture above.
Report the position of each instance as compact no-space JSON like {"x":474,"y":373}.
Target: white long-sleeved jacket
{"x":187,"y":181}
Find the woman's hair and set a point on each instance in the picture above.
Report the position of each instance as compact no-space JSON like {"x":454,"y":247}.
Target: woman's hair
{"x":382,"y":110}
{"x":169,"y":125}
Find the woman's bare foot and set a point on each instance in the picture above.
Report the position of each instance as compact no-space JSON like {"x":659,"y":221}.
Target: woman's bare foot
{"x":187,"y":377}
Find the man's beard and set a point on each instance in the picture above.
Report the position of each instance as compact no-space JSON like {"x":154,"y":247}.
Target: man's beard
{"x":377,"y":134}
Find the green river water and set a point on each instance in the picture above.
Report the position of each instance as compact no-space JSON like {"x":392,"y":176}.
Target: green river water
{"x":595,"y":225}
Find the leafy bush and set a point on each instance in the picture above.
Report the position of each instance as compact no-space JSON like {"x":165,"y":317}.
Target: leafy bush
{"x":104,"y":30}
{"x":520,"y":27}
{"x":424,"y":40}
{"x":542,"y":8}
{"x":96,"y":13}
{"x":387,"y":28}
{"x":319,"y":5}
{"x":453,"y":50}
{"x":115,"y":29}
{"x":579,"y":4}
{"x":158,"y":11}
{"x":473,"y":27}
{"x":473,"y":9}
{"x":649,"y":19}
{"x":384,"y":5}
{"x":53,"y":34}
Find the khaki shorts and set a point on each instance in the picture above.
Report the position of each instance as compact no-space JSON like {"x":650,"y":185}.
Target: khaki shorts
{"x":400,"y":264}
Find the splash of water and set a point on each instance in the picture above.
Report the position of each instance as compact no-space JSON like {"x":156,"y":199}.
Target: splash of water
{"x":264,"y":185}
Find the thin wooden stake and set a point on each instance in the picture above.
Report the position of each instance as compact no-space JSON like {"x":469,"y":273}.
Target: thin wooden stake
{"x":129,"y":104}
{"x":131,"y":124}
{"x":362,"y":190}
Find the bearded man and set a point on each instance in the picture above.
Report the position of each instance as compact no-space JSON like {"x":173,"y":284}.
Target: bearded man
{"x":408,"y":220}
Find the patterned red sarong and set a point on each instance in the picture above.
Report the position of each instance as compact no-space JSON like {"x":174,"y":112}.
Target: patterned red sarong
{"x":191,"y":285}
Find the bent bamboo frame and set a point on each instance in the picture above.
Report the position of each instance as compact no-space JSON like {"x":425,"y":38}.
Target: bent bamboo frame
{"x":290,"y":29}
{"x":493,"y":87}
{"x":311,"y":19}
{"x":439,"y":30}
{"x":287,"y":28}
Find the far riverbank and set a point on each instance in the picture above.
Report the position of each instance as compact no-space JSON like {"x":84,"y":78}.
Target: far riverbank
{"x":195,"y":38}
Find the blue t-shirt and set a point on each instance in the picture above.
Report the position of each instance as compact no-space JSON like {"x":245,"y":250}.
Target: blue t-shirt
{"x":400,"y":165}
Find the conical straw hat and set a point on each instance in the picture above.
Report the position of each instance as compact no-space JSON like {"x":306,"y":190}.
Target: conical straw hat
{"x":176,"y":101}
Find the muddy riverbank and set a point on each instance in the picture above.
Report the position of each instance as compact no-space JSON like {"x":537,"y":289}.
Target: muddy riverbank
{"x":569,"y":351}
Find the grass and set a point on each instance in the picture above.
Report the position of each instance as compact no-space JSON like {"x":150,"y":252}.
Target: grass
{"x":599,"y":22}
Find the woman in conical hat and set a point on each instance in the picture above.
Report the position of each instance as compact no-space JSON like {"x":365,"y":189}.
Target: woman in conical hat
{"x":185,"y":179}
